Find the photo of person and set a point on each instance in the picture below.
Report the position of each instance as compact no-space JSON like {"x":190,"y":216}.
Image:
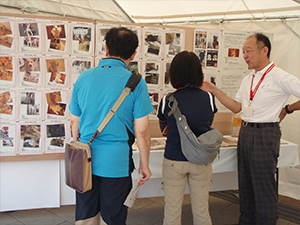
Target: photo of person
{"x":6,"y":106}
{"x":152,"y":42}
{"x":30,"y":136}
{"x":6,"y":38}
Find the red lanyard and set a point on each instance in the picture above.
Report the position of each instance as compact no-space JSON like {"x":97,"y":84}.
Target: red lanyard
{"x":252,"y":93}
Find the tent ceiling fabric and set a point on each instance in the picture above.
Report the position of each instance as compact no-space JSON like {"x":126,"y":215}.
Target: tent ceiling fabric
{"x":88,"y":9}
{"x":170,"y":11}
{"x":158,"y":11}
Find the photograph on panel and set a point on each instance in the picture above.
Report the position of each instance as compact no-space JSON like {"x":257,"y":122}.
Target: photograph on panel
{"x":30,"y":139}
{"x":6,"y":70}
{"x":212,"y":58}
{"x":102,"y":30}
{"x":78,"y":66}
{"x":56,"y":35}
{"x":6,"y":35}
{"x":56,"y":74}
{"x":7,"y":139}
{"x":6,"y":103}
{"x":55,"y":137}
{"x":213,"y":40}
{"x":174,"y":42}
{"x":166,"y":76}
{"x":30,"y":105}
{"x":30,"y":36}
{"x":56,"y":105}
{"x":152,"y":44}
{"x":30,"y":71}
{"x":133,"y":66}
{"x":151,"y":72}
{"x":82,"y":40}
{"x":154,"y":101}
{"x":201,"y":54}
{"x":200,"y":39}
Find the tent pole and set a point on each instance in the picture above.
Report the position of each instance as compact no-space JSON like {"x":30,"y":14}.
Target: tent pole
{"x":123,"y":11}
{"x":284,"y":23}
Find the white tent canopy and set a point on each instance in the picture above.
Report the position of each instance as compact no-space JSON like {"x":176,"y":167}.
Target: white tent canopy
{"x":155,"y":11}
{"x":278,"y":17}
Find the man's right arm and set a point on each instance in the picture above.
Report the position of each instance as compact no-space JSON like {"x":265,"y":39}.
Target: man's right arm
{"x":228,"y":102}
{"x":142,"y":132}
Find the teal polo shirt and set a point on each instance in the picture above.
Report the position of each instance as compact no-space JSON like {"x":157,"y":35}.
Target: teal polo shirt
{"x":94,"y":93}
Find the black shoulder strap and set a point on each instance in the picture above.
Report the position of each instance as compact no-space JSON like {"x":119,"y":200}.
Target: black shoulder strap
{"x":133,"y":80}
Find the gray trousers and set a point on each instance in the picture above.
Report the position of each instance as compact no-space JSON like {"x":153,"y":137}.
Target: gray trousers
{"x":258,"y":151}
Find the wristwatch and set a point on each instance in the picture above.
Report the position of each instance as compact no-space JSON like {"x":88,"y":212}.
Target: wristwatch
{"x":287,"y":109}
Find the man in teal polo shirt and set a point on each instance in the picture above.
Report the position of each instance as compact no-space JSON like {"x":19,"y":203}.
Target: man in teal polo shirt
{"x":95,"y":92}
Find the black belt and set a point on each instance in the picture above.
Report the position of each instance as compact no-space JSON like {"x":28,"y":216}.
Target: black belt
{"x":260,"y":125}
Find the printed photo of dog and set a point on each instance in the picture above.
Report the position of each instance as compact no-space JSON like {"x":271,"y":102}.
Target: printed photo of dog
{"x":5,"y":99}
{"x":6,"y":41}
{"x":6,"y":63}
{"x":6,"y":75}
{"x":31,"y":42}
{"x":55,"y":65}
{"x":28,"y":29}
{"x":31,"y":77}
{"x":29,"y":64}
{"x":57,"y":44}
{"x":30,"y":134}
{"x":53,"y":97}
{"x":56,"y":109}
{"x":5,"y":28}
{"x":58,"y":78}
{"x":56,"y":33}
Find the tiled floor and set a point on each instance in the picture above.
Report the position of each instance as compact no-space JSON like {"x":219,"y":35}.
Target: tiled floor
{"x":146,"y":211}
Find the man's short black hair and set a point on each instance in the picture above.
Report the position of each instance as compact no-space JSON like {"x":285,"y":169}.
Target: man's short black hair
{"x":121,"y":42}
{"x":186,"y":70}
{"x":262,"y":41}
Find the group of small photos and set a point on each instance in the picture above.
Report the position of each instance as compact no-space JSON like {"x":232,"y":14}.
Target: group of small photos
{"x":206,"y":46}
{"x":40,"y":61}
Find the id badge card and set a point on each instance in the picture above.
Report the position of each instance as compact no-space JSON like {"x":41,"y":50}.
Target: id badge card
{"x":248,"y":112}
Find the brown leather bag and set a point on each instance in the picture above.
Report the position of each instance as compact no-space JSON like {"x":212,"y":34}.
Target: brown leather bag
{"x":78,"y":161}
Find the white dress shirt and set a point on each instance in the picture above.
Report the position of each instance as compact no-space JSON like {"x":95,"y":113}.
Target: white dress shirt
{"x":271,"y":95}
